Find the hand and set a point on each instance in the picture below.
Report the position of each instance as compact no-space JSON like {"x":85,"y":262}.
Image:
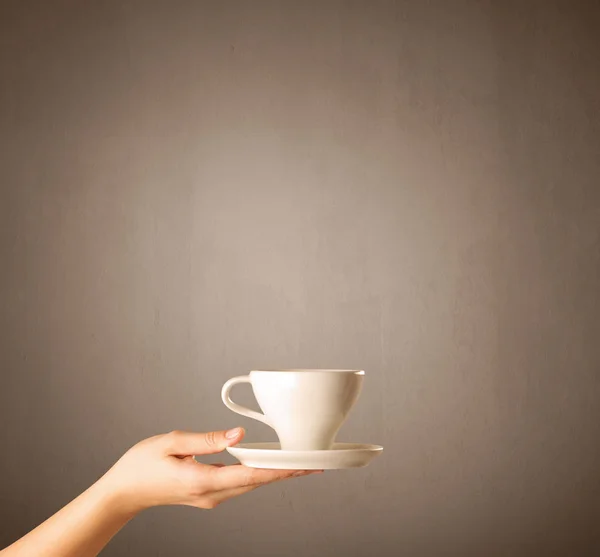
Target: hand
{"x":162,"y":470}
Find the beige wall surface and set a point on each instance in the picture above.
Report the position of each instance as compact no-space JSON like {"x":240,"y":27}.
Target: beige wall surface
{"x":189,"y":190}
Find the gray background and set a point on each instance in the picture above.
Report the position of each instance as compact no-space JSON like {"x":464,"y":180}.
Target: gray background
{"x":194,"y":189}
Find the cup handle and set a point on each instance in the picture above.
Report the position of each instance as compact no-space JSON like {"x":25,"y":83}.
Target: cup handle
{"x":237,"y":408}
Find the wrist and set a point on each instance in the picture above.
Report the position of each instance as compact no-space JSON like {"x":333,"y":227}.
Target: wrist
{"x":116,"y":499}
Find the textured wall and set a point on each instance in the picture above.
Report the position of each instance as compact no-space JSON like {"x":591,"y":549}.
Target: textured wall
{"x":193,"y":189}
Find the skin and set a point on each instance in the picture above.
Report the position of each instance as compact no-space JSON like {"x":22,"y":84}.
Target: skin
{"x":158,"y":471}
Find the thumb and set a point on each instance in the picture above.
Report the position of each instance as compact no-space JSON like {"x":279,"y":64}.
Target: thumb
{"x":180,"y":443}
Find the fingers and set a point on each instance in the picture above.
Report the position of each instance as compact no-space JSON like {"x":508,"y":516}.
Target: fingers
{"x":238,"y":476}
{"x":221,"y":496}
{"x":183,"y":443}
{"x":215,"y":498}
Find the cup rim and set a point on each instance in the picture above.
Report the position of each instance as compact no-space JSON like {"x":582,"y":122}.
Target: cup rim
{"x":308,"y":370}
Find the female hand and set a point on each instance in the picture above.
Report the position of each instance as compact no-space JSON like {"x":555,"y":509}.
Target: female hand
{"x":162,"y":470}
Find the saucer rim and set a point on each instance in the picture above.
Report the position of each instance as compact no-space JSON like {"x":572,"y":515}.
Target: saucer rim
{"x":275,"y":446}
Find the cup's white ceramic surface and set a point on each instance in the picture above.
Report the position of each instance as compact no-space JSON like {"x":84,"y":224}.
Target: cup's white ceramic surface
{"x":305,"y":407}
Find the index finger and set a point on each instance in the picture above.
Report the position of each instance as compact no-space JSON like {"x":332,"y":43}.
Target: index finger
{"x":184,"y":443}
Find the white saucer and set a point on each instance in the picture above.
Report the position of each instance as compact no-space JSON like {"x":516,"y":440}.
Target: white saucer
{"x":270,"y":455}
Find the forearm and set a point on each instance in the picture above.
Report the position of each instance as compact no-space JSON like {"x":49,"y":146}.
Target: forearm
{"x":80,"y":529}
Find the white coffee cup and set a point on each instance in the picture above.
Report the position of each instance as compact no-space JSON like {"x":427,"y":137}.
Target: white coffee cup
{"x":305,"y":407}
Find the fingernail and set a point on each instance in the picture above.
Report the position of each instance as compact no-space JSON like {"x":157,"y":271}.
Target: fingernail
{"x":233,"y":433}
